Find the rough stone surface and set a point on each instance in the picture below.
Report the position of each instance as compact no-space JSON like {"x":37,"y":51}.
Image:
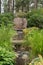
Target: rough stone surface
{"x":20,"y":23}
{"x":22,"y":58}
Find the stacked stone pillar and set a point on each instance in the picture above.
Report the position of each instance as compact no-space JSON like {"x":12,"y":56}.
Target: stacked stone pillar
{"x":19,"y":25}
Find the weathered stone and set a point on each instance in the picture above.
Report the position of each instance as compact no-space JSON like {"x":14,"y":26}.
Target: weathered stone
{"x":20,"y":61}
{"x":22,"y":58}
{"x":20,"y":23}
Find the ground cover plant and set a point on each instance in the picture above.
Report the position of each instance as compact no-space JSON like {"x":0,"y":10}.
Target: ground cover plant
{"x":34,"y":40}
{"x":35,"y":18}
{"x":37,"y":61}
{"x":7,"y":55}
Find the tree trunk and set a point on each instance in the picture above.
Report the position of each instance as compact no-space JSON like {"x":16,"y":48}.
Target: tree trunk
{"x":0,"y":6}
{"x":36,"y":2}
{"x":13,"y":6}
{"x":28,"y":7}
{"x":22,"y":9}
{"x":10,"y":5}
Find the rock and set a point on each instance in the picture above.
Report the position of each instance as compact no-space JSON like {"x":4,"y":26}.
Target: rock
{"x":20,"y":23}
{"x":19,"y":61}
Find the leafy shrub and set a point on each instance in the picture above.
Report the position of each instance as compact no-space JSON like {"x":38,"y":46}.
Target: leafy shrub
{"x":27,"y":32}
{"x":6,"y":57}
{"x":6,"y":30}
{"x":10,"y":16}
{"x":5,"y":21}
{"x":21,"y":14}
{"x":6,"y":18}
{"x":35,"y":18}
{"x":5,"y":36}
{"x":38,"y":61}
{"x":34,"y":39}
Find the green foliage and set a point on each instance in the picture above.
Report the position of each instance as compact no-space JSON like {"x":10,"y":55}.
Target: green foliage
{"x":35,"y":18}
{"x":10,"y":16}
{"x":22,"y":5}
{"x":6,"y":19}
{"x":37,"y":61}
{"x":34,"y":39}
{"x":6,"y":57}
{"x":6,"y":30}
{"x":5,"y":36}
{"x":21,"y":14}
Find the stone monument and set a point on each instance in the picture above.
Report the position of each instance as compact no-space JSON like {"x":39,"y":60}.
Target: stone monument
{"x":20,"y":23}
